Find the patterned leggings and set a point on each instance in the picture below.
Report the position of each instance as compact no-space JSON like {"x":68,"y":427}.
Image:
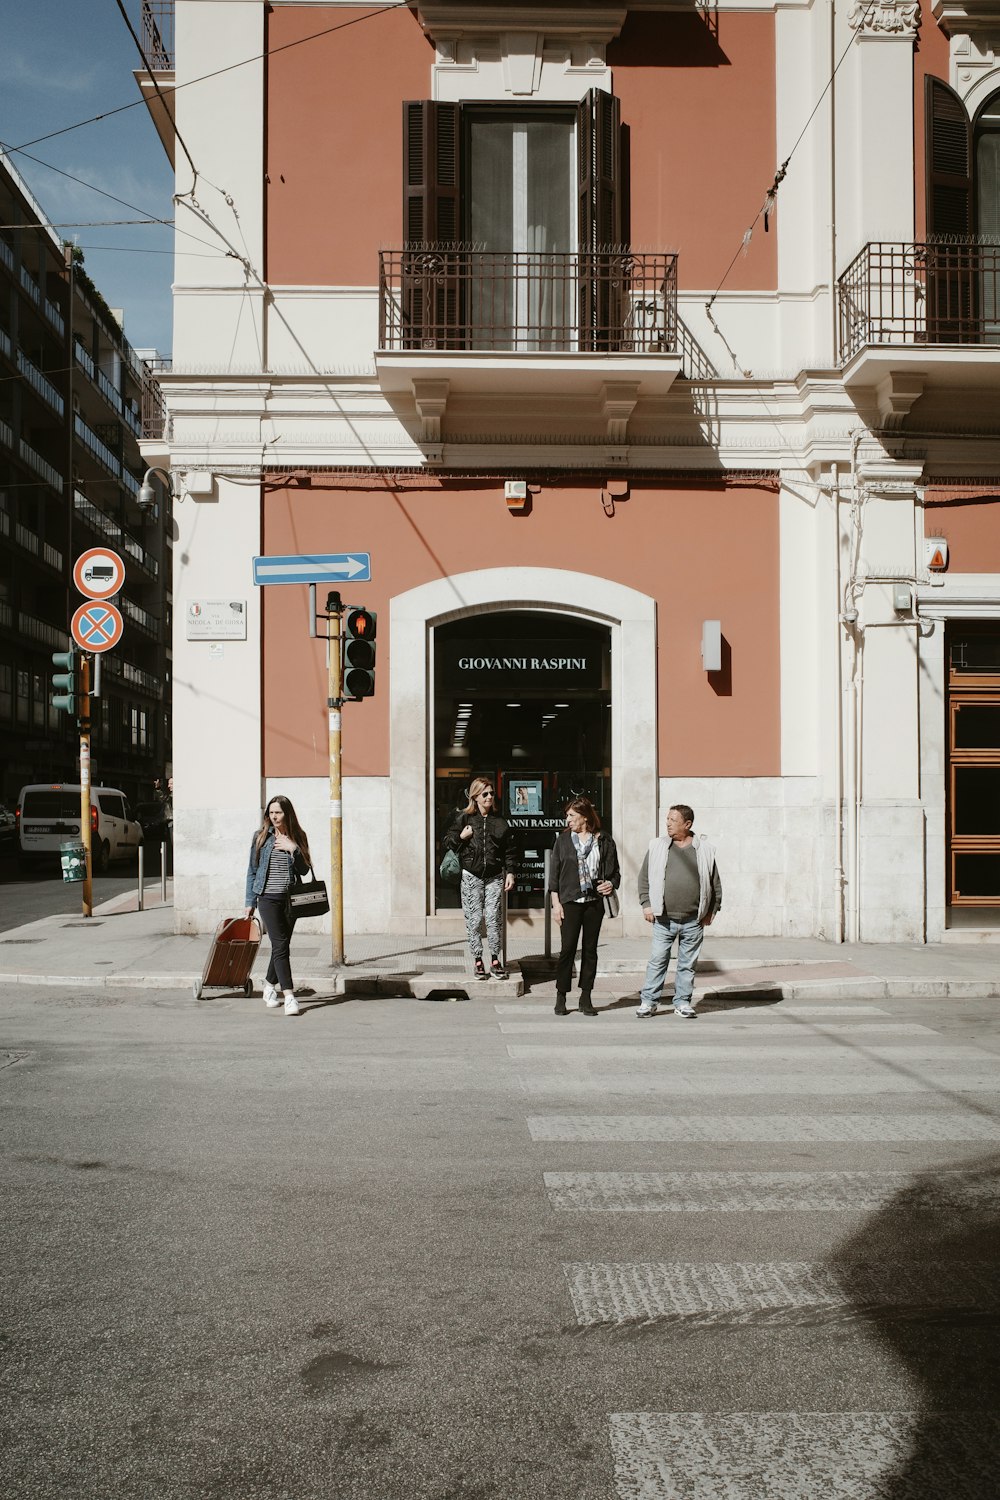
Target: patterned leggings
{"x":479,"y":897}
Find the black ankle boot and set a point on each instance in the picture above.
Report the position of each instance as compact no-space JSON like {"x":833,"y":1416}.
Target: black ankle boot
{"x":586,"y":1009}
{"x":560,"y":1003}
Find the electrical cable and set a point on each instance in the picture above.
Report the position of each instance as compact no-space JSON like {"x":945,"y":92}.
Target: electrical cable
{"x":258,"y":57}
{"x":770,"y":198}
{"x":159,"y":92}
{"x":103,"y":193}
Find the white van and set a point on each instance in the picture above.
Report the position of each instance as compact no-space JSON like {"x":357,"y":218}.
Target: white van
{"x":49,"y":815}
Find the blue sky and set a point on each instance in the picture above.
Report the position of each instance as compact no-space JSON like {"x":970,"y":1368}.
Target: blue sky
{"x":62,"y":61}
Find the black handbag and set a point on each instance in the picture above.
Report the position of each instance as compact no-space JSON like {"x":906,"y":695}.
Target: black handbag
{"x":308,"y":898}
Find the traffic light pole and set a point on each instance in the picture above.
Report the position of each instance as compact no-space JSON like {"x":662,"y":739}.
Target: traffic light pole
{"x":84,"y":704}
{"x":335,"y":702}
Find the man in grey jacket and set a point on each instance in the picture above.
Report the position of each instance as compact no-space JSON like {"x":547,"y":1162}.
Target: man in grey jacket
{"x":680,"y":893}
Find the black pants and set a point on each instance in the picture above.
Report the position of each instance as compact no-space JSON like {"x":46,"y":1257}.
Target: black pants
{"x":585,"y":917}
{"x":279,"y":928}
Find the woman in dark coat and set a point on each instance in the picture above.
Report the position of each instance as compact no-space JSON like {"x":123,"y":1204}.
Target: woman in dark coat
{"x":484,"y":846}
{"x":583,"y":872}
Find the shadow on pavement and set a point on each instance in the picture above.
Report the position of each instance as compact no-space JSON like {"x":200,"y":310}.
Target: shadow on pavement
{"x":948,"y":1344}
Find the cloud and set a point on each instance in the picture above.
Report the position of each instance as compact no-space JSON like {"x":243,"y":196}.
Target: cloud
{"x":18,"y":70}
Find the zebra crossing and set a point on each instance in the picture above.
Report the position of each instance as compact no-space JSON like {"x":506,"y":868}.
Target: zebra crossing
{"x":811,"y":1080}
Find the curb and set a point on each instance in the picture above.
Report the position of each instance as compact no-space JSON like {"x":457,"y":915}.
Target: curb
{"x":372,"y":984}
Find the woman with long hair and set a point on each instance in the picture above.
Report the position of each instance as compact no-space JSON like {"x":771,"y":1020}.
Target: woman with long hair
{"x":583,"y":872}
{"x":485,"y":849}
{"x":278,"y":854}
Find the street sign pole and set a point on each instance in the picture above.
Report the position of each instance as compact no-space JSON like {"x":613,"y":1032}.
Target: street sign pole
{"x":88,"y":889}
{"x":334,"y":700}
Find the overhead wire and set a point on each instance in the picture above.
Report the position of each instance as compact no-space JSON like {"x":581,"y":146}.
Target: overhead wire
{"x":771,"y":196}
{"x":159,"y":92}
{"x":217,"y":73}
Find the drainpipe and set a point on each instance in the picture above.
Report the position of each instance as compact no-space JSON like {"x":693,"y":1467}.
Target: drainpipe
{"x":833,"y":183}
{"x":854,"y":736}
{"x":838,"y":738}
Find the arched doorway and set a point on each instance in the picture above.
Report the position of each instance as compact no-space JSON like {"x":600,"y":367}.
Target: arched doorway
{"x":525,"y":699}
{"x":628,"y":617}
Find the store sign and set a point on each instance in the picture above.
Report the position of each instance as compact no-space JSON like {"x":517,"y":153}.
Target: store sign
{"x":471,"y":665}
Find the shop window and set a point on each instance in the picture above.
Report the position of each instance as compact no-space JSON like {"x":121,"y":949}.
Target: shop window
{"x":524,"y":699}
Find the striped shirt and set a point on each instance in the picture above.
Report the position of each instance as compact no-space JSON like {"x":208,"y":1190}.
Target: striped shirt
{"x":279,"y":873}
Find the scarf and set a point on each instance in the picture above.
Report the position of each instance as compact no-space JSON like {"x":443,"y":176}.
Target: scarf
{"x":582,"y":853}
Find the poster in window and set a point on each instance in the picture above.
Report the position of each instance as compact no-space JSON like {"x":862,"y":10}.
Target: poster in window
{"x":525,"y":797}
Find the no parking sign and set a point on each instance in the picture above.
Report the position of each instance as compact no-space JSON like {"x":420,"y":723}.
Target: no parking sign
{"x":97,"y":626}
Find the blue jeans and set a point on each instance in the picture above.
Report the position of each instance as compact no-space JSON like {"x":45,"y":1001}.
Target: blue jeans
{"x":690,"y":936}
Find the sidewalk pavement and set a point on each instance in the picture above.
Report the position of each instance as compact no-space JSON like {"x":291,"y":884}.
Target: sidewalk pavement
{"x":122,"y":948}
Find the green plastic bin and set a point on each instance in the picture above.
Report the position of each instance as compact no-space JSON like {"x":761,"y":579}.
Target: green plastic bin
{"x":73,"y":855}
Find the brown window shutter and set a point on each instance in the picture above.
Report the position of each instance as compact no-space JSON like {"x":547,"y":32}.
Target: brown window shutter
{"x":431,"y":309}
{"x":951,"y":262}
{"x":602,"y":293}
{"x":949,"y":161}
{"x":431,"y":172}
{"x":599,"y":155}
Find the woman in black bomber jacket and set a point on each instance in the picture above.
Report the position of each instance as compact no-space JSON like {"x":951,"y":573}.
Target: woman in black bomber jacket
{"x":484,"y":845}
{"x":584,"y":870}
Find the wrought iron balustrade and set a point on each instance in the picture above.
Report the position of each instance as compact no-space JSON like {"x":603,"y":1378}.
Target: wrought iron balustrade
{"x":452,"y":297}
{"x":943,"y":291}
{"x":158,"y":34}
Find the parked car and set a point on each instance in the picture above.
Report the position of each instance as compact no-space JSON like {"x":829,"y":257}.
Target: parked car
{"x":48,"y":816}
{"x":152,"y":819}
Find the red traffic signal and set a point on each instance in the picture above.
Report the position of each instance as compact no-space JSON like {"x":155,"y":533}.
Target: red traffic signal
{"x":358,"y":647}
{"x":360,"y":624}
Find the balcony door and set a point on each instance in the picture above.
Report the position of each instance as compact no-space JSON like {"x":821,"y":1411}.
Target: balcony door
{"x":987,"y":159}
{"x":508,"y":216}
{"x":521,"y":213}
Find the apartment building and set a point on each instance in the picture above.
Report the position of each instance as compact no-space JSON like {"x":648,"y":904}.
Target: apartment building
{"x":73,"y":398}
{"x":651,"y":351}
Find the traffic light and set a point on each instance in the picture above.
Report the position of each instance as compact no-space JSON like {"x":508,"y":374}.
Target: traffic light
{"x":359,"y":653}
{"x":64,"y":681}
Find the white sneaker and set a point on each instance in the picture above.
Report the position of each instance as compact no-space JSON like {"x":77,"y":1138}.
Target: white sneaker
{"x":646,"y":1009}
{"x":291,"y":1006}
{"x":271,"y":997}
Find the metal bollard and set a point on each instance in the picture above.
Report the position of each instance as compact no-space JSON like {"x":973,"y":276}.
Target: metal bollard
{"x":141,"y":872}
{"x":163,"y":873}
{"x":548,"y":904}
{"x":503,"y":924}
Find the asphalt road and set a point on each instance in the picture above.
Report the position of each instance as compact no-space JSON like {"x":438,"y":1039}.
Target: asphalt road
{"x":42,"y":892}
{"x":403,"y":1250}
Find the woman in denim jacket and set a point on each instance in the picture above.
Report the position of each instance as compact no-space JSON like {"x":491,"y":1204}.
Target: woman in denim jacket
{"x":279,"y":853}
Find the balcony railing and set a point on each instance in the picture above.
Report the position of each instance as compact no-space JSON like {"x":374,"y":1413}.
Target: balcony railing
{"x":158,"y":33}
{"x":40,"y":465}
{"x":154,"y":411}
{"x":97,"y":447}
{"x":456,"y":298}
{"x":40,"y":384}
{"x":30,"y":285}
{"x":939,"y":292}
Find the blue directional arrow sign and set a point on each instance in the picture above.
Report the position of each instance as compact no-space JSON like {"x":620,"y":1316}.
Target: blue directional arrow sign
{"x":316,"y":567}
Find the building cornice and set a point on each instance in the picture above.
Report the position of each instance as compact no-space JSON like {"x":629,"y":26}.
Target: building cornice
{"x":442,"y":19}
{"x":967,"y":17}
